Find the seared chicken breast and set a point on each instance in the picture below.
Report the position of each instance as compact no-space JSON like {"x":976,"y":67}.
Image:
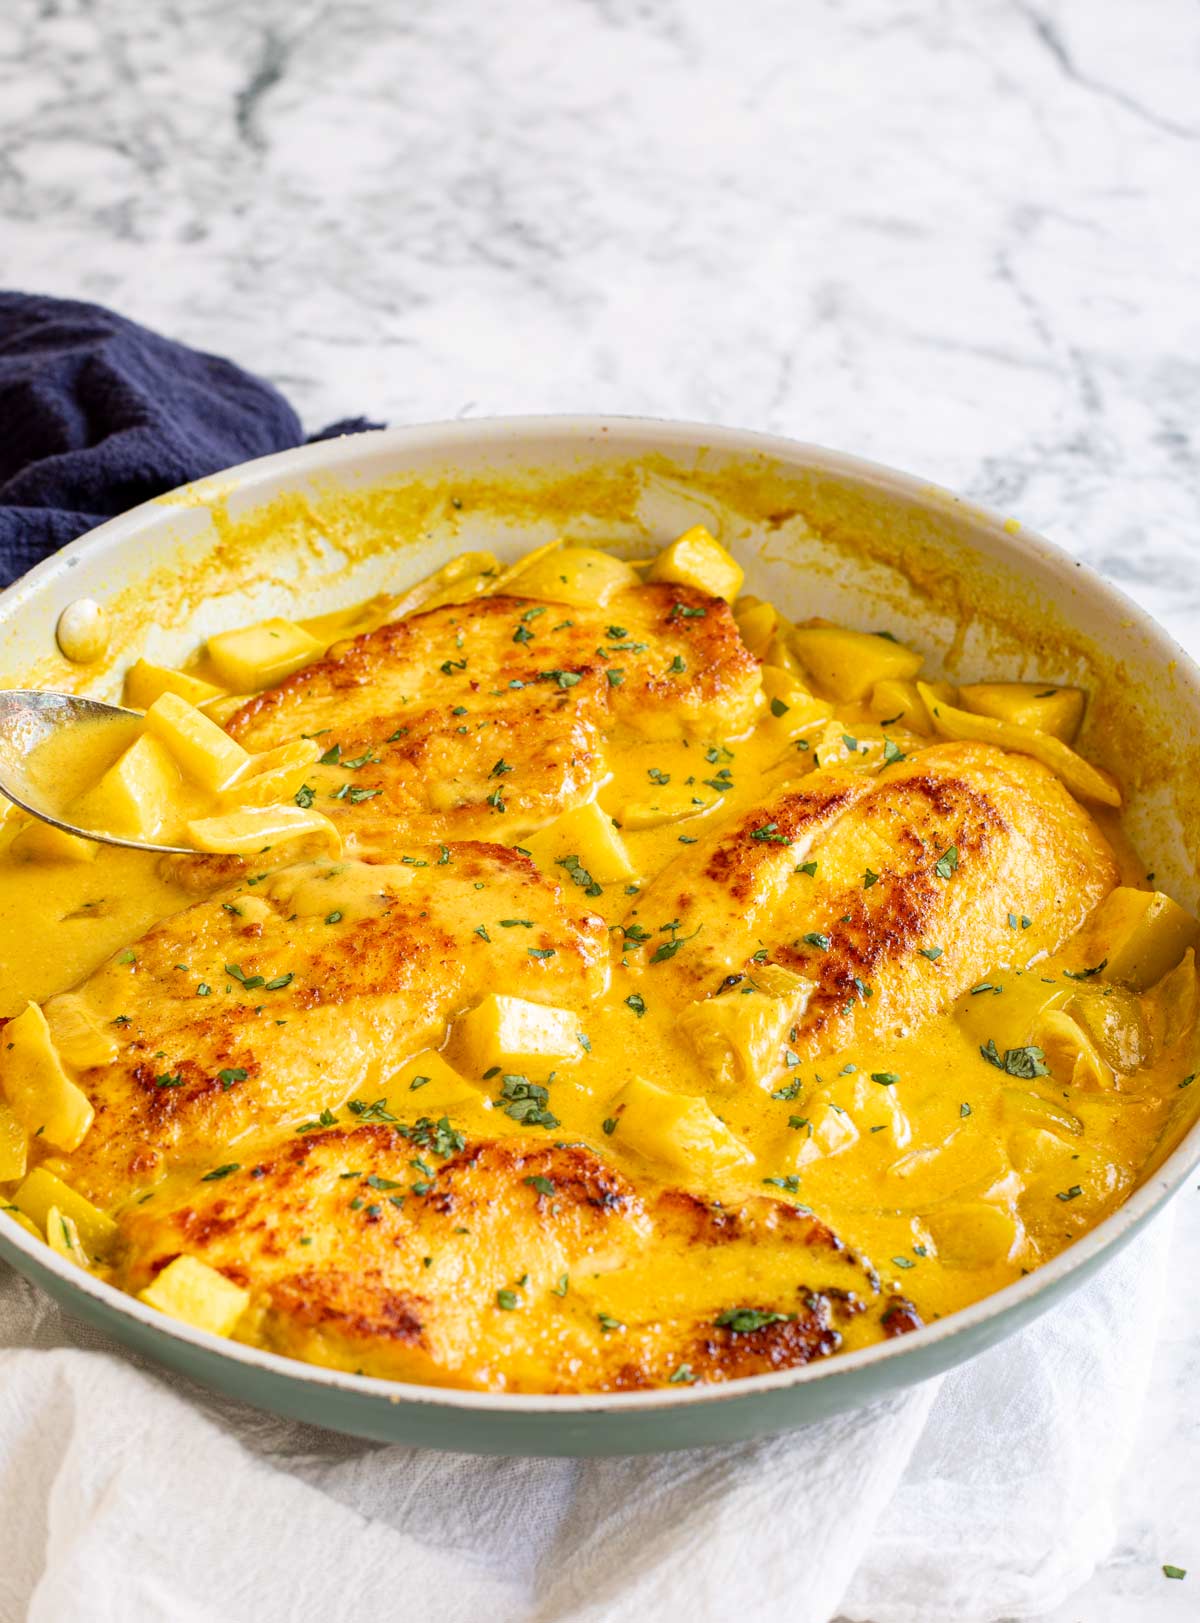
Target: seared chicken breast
{"x":269,"y":1001}
{"x":400,"y":1248}
{"x":486,"y":719}
{"x":888,"y":895}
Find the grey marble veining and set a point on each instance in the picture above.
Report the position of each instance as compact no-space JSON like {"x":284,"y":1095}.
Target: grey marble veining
{"x":960,"y":237}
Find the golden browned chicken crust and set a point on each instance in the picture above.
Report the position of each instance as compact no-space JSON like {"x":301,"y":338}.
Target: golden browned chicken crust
{"x":271,"y":1000}
{"x":399,"y":1249}
{"x":888,"y":895}
{"x":492,"y":715}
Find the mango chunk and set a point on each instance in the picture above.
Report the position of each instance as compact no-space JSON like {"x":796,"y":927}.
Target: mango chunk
{"x":14,"y":1146}
{"x":1141,"y":933}
{"x":40,"y":1093}
{"x":42,"y":842}
{"x":675,"y":1130}
{"x":191,"y":1291}
{"x":669,"y":803}
{"x":756,"y":622}
{"x":1047,"y":709}
{"x":583,"y":839}
{"x":515,"y":1033}
{"x":895,"y":700}
{"x":835,"y":1117}
{"x":62,"y":1236}
{"x":79,"y":1035}
{"x":257,"y":828}
{"x":258,"y":656}
{"x":296,"y":752}
{"x":428,"y":1074}
{"x":1024,"y":1108}
{"x":1114,"y":1017}
{"x":698,"y":559}
{"x":791,"y":708}
{"x":1081,"y":777}
{"x":1171,"y":1007}
{"x":136,"y":797}
{"x":265,"y":788}
{"x":580,"y":576}
{"x":847,"y":664}
{"x":975,"y":1234}
{"x":1070,"y":1053}
{"x":205,"y":752}
{"x":740,"y":1036}
{"x":221,"y":710}
{"x":43,"y":1192}
{"x":828,"y":1130}
{"x":145,"y":682}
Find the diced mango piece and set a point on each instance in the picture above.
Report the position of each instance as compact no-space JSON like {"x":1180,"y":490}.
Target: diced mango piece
{"x":42,"y":842}
{"x":580,"y":576}
{"x":256,"y":828}
{"x":756,"y":623}
{"x":204,"y":751}
{"x":136,"y":797}
{"x":516,"y":1034}
{"x":828,"y":1130}
{"x":40,"y":1093}
{"x":191,"y":1291}
{"x":863,"y":750}
{"x":43,"y":1191}
{"x":975,"y":1234}
{"x":961,"y":1163}
{"x":1070,"y":1053}
{"x":782,"y":656}
{"x":1028,"y":704}
{"x":265,"y":788}
{"x":791,"y":708}
{"x":699,"y":560}
{"x":669,"y":803}
{"x":62,"y":1236}
{"x":740,"y":1036}
{"x":1081,"y":777}
{"x":1172,"y":1005}
{"x":296,"y":752}
{"x":847,"y":664}
{"x":1142,"y":934}
{"x":837,"y":1115}
{"x":258,"y":656}
{"x":896,"y":700}
{"x":1022,"y":1107}
{"x":145,"y":682}
{"x":429,"y":1075}
{"x":14,"y":1146}
{"x":583,"y":839}
{"x":1114,"y":1017}
{"x":79,"y":1035}
{"x":223,"y":709}
{"x":675,"y":1130}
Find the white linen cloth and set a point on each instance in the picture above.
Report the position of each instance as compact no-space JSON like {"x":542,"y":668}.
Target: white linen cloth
{"x":128,"y":1496}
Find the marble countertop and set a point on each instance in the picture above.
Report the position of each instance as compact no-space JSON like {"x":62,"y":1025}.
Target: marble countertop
{"x":959,"y":238}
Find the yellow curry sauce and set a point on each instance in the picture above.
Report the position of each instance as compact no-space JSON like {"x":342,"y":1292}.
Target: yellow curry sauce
{"x":650,"y":990}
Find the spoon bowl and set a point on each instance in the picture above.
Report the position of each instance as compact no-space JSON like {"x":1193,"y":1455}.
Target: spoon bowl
{"x":41,"y":734}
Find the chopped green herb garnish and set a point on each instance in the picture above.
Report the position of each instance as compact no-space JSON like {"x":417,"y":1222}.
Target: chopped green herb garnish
{"x":743,"y":1320}
{"x":947,"y":862}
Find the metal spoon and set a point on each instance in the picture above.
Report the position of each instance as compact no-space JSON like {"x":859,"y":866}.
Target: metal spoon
{"x":29,"y":720}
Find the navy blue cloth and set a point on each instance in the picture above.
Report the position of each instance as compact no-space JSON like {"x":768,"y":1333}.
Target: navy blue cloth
{"x":98,"y":414}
